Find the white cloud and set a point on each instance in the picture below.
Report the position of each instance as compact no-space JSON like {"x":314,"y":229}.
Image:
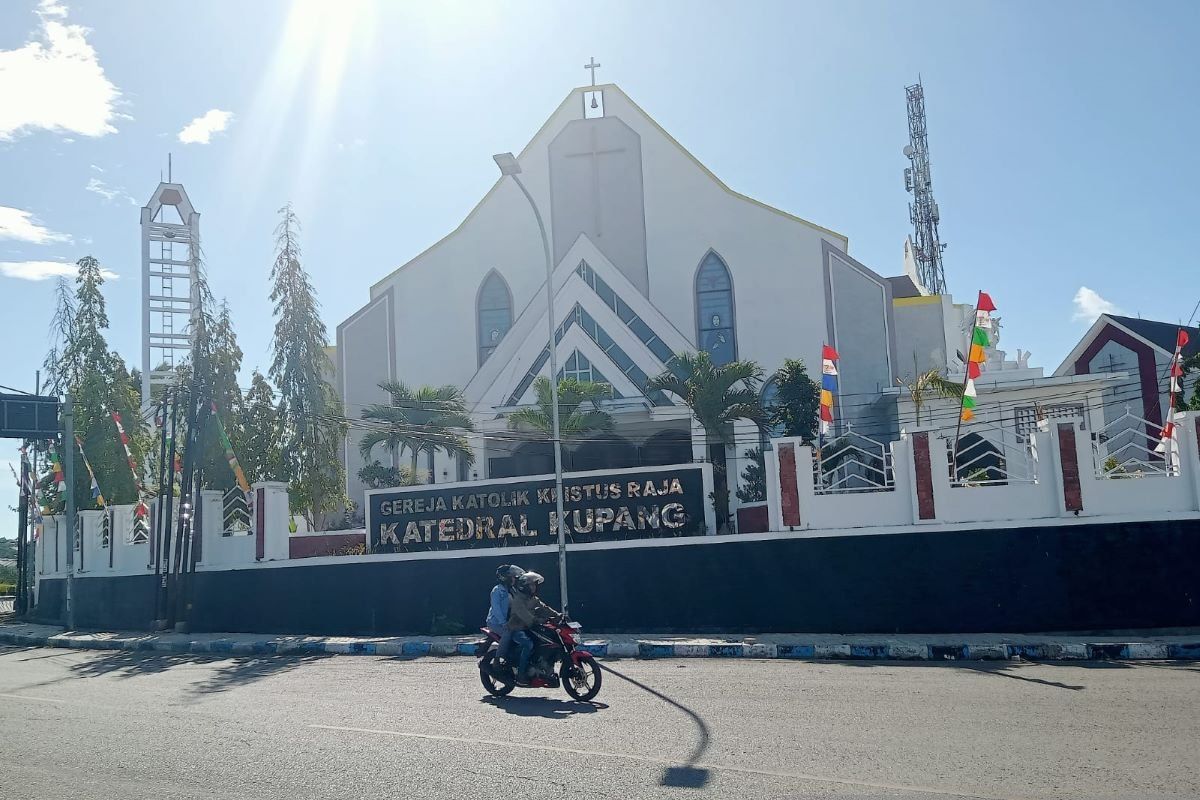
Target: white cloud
{"x":109,"y":193}
{"x":201,"y":129}
{"x":1089,"y":305}
{"x":41,"y":270}
{"x":55,"y":82}
{"x":21,"y":225}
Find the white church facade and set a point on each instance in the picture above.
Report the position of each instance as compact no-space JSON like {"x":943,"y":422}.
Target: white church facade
{"x":653,"y":255}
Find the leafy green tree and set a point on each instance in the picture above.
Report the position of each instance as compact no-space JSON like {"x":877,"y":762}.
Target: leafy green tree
{"x":310,"y":423}
{"x":797,"y":403}
{"x":426,"y":419}
{"x":100,"y":385}
{"x":578,"y":410}
{"x":717,"y":396}
{"x":754,"y":479}
{"x":1191,"y":366}
{"x":259,"y":448}
{"x":61,"y":373}
{"x":377,"y":476}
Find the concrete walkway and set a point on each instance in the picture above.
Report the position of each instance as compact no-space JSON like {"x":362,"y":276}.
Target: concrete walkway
{"x":1132,"y":645}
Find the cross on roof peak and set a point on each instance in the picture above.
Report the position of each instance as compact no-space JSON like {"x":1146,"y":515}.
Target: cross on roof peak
{"x":593,"y":66}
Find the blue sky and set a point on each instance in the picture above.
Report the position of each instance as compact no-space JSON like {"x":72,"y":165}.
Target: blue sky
{"x":1063,"y":138}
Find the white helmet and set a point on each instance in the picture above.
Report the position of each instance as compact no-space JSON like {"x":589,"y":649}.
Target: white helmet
{"x":530,"y":580}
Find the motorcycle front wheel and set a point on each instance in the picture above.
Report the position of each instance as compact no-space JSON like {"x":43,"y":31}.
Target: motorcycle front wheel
{"x":583,"y":681}
{"x":495,"y":686}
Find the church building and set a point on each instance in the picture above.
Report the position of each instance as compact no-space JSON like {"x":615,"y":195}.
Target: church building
{"x":653,"y":255}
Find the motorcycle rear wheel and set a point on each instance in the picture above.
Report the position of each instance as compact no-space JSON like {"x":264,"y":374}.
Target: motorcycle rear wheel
{"x":494,"y":686}
{"x":583,"y":681}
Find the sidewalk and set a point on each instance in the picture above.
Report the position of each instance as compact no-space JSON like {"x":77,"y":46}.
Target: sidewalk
{"x":1143,"y":645}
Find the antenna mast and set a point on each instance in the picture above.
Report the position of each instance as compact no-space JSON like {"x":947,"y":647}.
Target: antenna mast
{"x":923,"y":210}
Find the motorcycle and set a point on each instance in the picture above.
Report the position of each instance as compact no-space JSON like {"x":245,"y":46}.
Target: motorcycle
{"x":558,"y":659}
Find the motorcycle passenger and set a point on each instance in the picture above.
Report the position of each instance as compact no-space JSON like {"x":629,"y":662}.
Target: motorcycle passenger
{"x":498,"y":610}
{"x":526,"y":610}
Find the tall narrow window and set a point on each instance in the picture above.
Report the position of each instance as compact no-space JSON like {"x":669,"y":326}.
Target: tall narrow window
{"x":493,"y":314}
{"x":715,"y":331}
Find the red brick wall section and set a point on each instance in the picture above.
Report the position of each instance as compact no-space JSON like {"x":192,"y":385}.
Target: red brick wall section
{"x":753,"y":519}
{"x":328,"y":544}
{"x":789,"y":494}
{"x":924,"y":476}
{"x":1068,"y":457}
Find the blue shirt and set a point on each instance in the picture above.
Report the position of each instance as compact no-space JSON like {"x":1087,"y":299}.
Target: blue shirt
{"x":497,"y":616}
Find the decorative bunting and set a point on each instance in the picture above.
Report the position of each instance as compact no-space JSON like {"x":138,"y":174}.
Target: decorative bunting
{"x":829,"y":375}
{"x":229,"y":454}
{"x":60,"y":482}
{"x":124,"y":437}
{"x":96,"y":495}
{"x":1175,"y":373}
{"x":976,"y":355}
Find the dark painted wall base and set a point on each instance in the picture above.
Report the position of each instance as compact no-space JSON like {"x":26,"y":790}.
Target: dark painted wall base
{"x":1086,"y":577}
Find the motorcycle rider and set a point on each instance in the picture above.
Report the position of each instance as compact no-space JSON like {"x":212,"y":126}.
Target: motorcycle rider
{"x":498,"y":609}
{"x":526,"y":610}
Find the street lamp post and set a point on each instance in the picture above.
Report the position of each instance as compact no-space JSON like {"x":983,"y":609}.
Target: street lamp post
{"x":509,"y":166}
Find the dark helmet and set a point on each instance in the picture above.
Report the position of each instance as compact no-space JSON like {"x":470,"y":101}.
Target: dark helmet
{"x":508,"y":572}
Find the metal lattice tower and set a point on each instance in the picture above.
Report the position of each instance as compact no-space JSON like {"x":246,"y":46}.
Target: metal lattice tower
{"x":170,"y":285}
{"x":923,"y":210}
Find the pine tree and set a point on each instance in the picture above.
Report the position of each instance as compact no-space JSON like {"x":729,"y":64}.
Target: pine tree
{"x":310,"y":423}
{"x":259,"y":450}
{"x":60,"y":373}
{"x":101,"y":385}
{"x":797,"y":402}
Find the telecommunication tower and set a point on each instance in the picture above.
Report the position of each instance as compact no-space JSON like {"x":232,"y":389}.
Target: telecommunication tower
{"x":923,"y":210}
{"x":170,"y":284}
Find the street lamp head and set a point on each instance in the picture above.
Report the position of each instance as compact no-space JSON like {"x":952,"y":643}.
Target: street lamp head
{"x":507,"y":163}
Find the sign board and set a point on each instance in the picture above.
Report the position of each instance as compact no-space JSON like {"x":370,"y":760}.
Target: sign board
{"x":28,"y":416}
{"x":601,"y":506}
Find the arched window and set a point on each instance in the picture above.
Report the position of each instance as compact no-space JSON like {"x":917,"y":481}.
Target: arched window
{"x":715,"y":331}
{"x":493,"y":313}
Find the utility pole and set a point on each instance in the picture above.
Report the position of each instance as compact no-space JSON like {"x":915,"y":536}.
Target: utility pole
{"x":67,"y":448}
{"x":22,"y":526}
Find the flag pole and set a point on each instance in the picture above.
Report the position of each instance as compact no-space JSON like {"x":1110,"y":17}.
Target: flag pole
{"x":966,"y":377}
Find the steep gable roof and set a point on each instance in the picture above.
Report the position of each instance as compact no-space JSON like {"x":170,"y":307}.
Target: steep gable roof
{"x":1161,"y":334}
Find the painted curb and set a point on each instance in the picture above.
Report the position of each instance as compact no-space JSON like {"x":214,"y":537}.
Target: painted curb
{"x":640,"y":649}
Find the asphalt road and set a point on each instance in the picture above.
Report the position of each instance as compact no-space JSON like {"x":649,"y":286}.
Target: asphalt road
{"x":80,"y":724}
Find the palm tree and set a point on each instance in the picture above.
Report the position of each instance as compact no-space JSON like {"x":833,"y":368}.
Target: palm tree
{"x":717,"y":396}
{"x":573,"y":421}
{"x":426,"y":419}
{"x":927,"y":385}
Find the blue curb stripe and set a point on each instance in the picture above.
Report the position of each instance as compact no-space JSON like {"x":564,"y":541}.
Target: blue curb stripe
{"x":466,"y":648}
{"x":795,"y":651}
{"x":414,"y":649}
{"x":597,"y":649}
{"x":650,"y":650}
{"x":362,"y":649}
{"x":1189,"y":651}
{"x":868,"y":651}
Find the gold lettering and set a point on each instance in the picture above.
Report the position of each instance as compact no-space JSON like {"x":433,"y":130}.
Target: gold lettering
{"x":575,"y":494}
{"x":614,"y":491}
{"x":521,"y":499}
{"x":387,"y":533}
{"x":446,"y":532}
{"x":603,"y":517}
{"x":483,"y":527}
{"x":456,"y":503}
{"x":466,"y":528}
{"x":674,"y":515}
{"x":624,"y":521}
{"x":411,"y":534}
{"x":676,"y":486}
{"x":472,"y":502}
{"x":493,"y":499}
{"x":647,"y":517}
{"x":580,"y":527}
{"x":648,"y":491}
{"x":545,"y":496}
{"x":506,"y":527}
{"x":440,"y":504}
{"x":427,"y":529}
{"x":632,"y":489}
{"x":525,"y":530}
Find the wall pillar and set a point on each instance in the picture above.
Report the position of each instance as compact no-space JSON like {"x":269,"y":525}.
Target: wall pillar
{"x":271,"y":516}
{"x":1187,"y":434}
{"x":771,"y":478}
{"x":921,"y":445}
{"x":789,"y":488}
{"x":212,"y":522}
{"x":1070,"y":462}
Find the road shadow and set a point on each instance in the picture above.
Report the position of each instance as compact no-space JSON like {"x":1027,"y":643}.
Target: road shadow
{"x":544,"y":707}
{"x":229,"y":671}
{"x":996,"y":669}
{"x":687,"y":775}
